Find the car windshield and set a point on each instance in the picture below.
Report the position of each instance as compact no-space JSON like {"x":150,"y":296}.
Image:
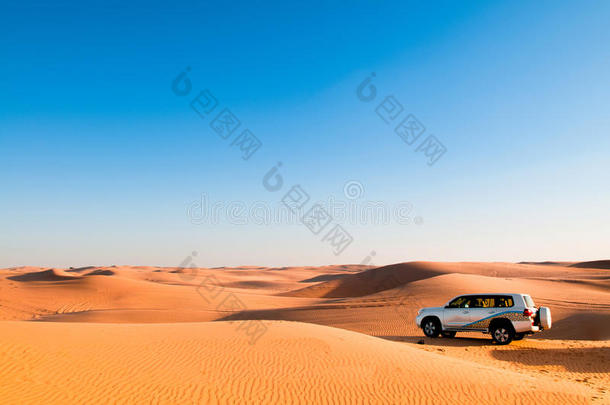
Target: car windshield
{"x":529,"y":302}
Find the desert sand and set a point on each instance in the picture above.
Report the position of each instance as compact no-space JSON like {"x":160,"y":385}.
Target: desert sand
{"x":333,"y":334}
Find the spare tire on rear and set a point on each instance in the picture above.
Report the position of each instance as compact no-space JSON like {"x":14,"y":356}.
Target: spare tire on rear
{"x":545,"y":317}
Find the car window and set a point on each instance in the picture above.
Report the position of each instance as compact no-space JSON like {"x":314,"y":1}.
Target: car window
{"x":483,"y":302}
{"x":503,"y":301}
{"x":475,"y":302}
{"x":460,"y":302}
{"x":529,"y":302}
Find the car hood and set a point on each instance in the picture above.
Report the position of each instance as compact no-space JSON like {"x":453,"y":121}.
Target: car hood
{"x":429,"y":309}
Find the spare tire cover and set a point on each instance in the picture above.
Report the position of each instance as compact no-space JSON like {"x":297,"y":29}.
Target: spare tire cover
{"x":545,"y":317}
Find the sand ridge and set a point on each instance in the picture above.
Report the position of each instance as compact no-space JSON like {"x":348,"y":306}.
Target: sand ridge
{"x":210,"y":363}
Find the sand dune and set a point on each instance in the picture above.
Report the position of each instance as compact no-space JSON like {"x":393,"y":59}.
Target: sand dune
{"x":549,"y":263}
{"x":389,"y":277}
{"x":101,"y":272}
{"x":215,"y":363}
{"x":146,"y":334}
{"x":370,"y":281}
{"x":44,"y":275}
{"x":597,"y":264}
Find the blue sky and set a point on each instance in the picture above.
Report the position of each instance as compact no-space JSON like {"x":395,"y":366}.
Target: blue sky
{"x":101,"y":160}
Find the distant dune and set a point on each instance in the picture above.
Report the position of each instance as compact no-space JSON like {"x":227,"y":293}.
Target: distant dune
{"x":597,"y":264}
{"x":44,"y":275}
{"x":549,"y":263}
{"x":101,"y":272}
{"x":370,"y":281}
{"x":388,"y":277}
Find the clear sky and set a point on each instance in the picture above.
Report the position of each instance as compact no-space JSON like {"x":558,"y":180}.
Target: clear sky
{"x":102,"y":163}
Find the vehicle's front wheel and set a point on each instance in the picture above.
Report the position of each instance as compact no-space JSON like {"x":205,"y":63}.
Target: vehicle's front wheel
{"x":431,"y":327}
{"x":502,"y":334}
{"x":519,"y":336}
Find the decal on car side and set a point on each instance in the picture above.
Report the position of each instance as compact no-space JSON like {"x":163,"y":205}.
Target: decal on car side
{"x":484,"y":322}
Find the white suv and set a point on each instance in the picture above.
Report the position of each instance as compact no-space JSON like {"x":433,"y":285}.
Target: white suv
{"x":504,"y":316}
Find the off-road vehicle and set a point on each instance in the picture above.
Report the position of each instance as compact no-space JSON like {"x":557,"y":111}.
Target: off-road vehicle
{"x":506,"y":317}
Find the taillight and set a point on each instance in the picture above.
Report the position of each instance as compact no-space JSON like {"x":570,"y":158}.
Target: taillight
{"x":527,"y":312}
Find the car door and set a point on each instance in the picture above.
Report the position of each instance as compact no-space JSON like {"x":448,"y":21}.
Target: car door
{"x":457,"y":313}
{"x":482,"y":308}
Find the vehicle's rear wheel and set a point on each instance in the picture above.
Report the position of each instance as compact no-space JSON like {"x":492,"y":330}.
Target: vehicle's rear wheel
{"x":448,"y":334}
{"x":519,"y":336}
{"x":502,"y":334}
{"x":431,"y":327}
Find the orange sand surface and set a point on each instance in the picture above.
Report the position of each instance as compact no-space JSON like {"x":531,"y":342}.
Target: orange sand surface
{"x":332,"y":334}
